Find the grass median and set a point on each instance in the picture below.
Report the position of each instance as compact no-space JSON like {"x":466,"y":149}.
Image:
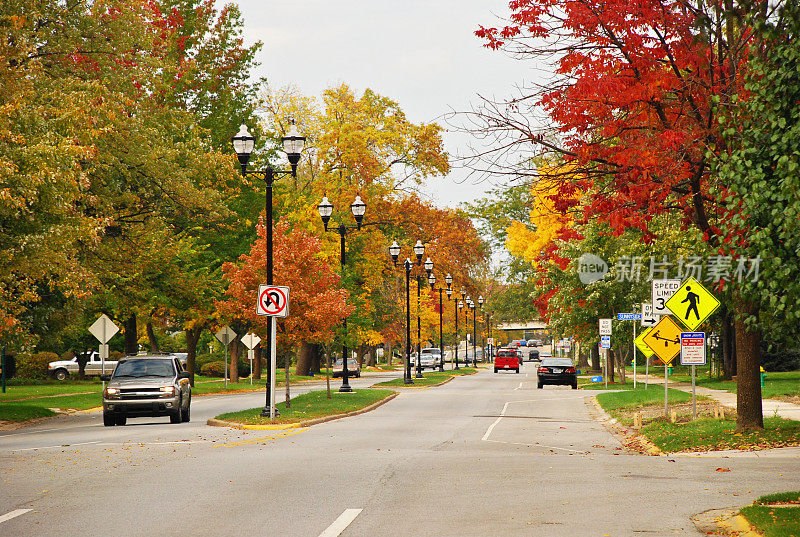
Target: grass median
{"x":703,"y":434}
{"x":311,"y":406}
{"x":775,"y":515}
{"x":431,"y":378}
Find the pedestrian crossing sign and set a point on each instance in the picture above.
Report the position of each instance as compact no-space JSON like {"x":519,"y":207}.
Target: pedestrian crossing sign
{"x":692,"y":303}
{"x":665,"y":339}
{"x":643,"y":347}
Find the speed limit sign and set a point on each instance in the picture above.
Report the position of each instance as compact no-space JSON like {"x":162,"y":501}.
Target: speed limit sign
{"x":273,"y":300}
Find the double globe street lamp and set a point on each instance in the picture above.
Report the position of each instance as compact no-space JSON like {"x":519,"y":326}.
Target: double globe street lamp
{"x":419,"y":251}
{"x":243,"y":143}
{"x":432,"y":281}
{"x":358,"y":208}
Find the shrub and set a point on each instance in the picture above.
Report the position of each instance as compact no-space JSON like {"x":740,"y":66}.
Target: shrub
{"x":34,"y":366}
{"x":780,"y":360}
{"x":213,"y":369}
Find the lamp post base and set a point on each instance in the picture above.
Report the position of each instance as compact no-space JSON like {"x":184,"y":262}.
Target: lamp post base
{"x":345,"y":389}
{"x":265,"y":413}
{"x":408,"y":381}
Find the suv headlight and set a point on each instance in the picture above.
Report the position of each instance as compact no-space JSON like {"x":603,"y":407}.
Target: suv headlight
{"x":112,"y":392}
{"x":167,"y":391}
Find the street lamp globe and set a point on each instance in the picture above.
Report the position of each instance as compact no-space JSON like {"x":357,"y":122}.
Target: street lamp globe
{"x":463,"y":292}
{"x":394,"y":251}
{"x":293,"y":144}
{"x":480,"y":300}
{"x":429,"y":265}
{"x":448,"y":280}
{"x":432,"y":280}
{"x":449,"y":292}
{"x":325,"y":209}
{"x":460,"y":305}
{"x":243,"y":145}
{"x":419,"y":250}
{"x":358,"y":208}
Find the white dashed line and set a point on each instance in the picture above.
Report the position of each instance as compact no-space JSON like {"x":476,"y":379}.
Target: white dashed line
{"x":491,"y":427}
{"x":341,"y":523}
{"x":13,"y":514}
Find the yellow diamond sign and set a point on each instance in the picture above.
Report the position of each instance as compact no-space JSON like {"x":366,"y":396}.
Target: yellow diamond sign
{"x":643,"y":347}
{"x":665,"y":339}
{"x":692,"y":303}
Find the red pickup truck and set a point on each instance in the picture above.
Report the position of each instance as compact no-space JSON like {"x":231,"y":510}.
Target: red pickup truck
{"x":506,"y":359}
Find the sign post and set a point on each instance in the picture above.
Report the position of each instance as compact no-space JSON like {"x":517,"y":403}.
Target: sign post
{"x":103,"y":329}
{"x":693,"y":352}
{"x":273,"y":301}
{"x":665,"y":340}
{"x":647,"y":351}
{"x":225,"y":336}
{"x":250,"y":341}
{"x":631,"y":317}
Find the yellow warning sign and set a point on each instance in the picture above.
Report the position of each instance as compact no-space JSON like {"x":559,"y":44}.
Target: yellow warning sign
{"x":665,"y":339}
{"x":692,"y":303}
{"x":643,"y":347}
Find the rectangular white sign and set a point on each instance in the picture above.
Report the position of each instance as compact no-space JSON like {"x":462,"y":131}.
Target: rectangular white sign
{"x":605,"y":327}
{"x":693,"y":348}
{"x":662,"y":290}
{"x":648,"y":319}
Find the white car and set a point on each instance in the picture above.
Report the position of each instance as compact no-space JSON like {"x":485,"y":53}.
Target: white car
{"x":430,"y":357}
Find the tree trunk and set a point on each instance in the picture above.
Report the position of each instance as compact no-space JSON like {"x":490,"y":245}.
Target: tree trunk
{"x":233,"y":367}
{"x":728,"y":346}
{"x":622,"y":358}
{"x":594,"y":354}
{"x":151,"y":337}
{"x":131,"y":336}
{"x":387,"y":353}
{"x":257,"y":364}
{"x":748,"y":369}
{"x":610,"y":359}
{"x":317,"y":358}
{"x":192,"y":337}
{"x":286,"y":365}
{"x":304,"y":359}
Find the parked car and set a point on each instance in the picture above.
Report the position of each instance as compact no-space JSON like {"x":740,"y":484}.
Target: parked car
{"x":506,"y":359}
{"x":353,"y":369}
{"x":559,"y":371}
{"x":147,"y":386}
{"x":430,"y":357}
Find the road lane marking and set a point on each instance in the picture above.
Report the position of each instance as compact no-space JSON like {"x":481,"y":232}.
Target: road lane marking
{"x":491,"y":427}
{"x":289,"y":432}
{"x":13,"y":514}
{"x":341,"y":523}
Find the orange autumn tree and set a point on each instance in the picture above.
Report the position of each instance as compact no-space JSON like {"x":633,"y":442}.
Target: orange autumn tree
{"x":317,"y":304}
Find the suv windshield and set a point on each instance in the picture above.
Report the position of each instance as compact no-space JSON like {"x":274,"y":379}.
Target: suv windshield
{"x":145,"y":368}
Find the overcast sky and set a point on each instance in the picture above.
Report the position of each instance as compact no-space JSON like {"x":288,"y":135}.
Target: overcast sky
{"x":423,"y":55}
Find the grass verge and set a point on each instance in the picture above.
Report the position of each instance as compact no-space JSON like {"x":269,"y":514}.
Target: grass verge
{"x":631,"y":400}
{"x":40,"y":406}
{"x":21,"y":412}
{"x":708,"y":434}
{"x":310,"y":406}
{"x":431,"y":378}
{"x":774,"y":520}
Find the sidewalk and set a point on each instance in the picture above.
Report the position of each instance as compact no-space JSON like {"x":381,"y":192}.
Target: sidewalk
{"x":769,"y":407}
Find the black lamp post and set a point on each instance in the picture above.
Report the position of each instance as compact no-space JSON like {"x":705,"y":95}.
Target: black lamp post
{"x":474,"y":334}
{"x":480,"y":305}
{"x":358,"y":208}
{"x":432,"y":281}
{"x":394,"y":251}
{"x":243,"y":144}
{"x":449,"y":291}
{"x":461,"y":306}
{"x":419,"y":251}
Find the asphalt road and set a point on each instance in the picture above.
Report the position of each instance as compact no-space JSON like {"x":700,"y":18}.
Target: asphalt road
{"x":483,"y":455}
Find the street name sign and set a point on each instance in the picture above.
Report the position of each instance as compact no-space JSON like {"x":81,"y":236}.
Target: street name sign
{"x":273,"y":300}
{"x":692,"y":303}
{"x":605,"y":327}
{"x":629,"y":316}
{"x":643,"y":347}
{"x":226,"y":335}
{"x":662,"y":290}
{"x":693,"y":348}
{"x":665,"y":340}
{"x":648,"y":318}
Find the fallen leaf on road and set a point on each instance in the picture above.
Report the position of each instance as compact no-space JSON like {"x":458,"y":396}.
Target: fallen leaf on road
{"x":723,"y":469}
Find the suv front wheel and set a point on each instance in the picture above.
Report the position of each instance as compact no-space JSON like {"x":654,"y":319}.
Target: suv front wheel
{"x":185,"y":412}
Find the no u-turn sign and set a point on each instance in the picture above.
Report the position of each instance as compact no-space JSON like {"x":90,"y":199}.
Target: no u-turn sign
{"x":272,"y":300}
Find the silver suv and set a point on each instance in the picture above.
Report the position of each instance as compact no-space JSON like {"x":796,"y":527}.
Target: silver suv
{"x":147,"y":386}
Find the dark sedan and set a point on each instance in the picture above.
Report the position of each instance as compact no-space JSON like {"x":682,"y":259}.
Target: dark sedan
{"x":559,"y":371}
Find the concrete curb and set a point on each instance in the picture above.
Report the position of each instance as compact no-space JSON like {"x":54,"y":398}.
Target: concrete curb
{"x":213,"y":422}
{"x":724,"y":522}
{"x":626,"y":436}
{"x":378,"y":386}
